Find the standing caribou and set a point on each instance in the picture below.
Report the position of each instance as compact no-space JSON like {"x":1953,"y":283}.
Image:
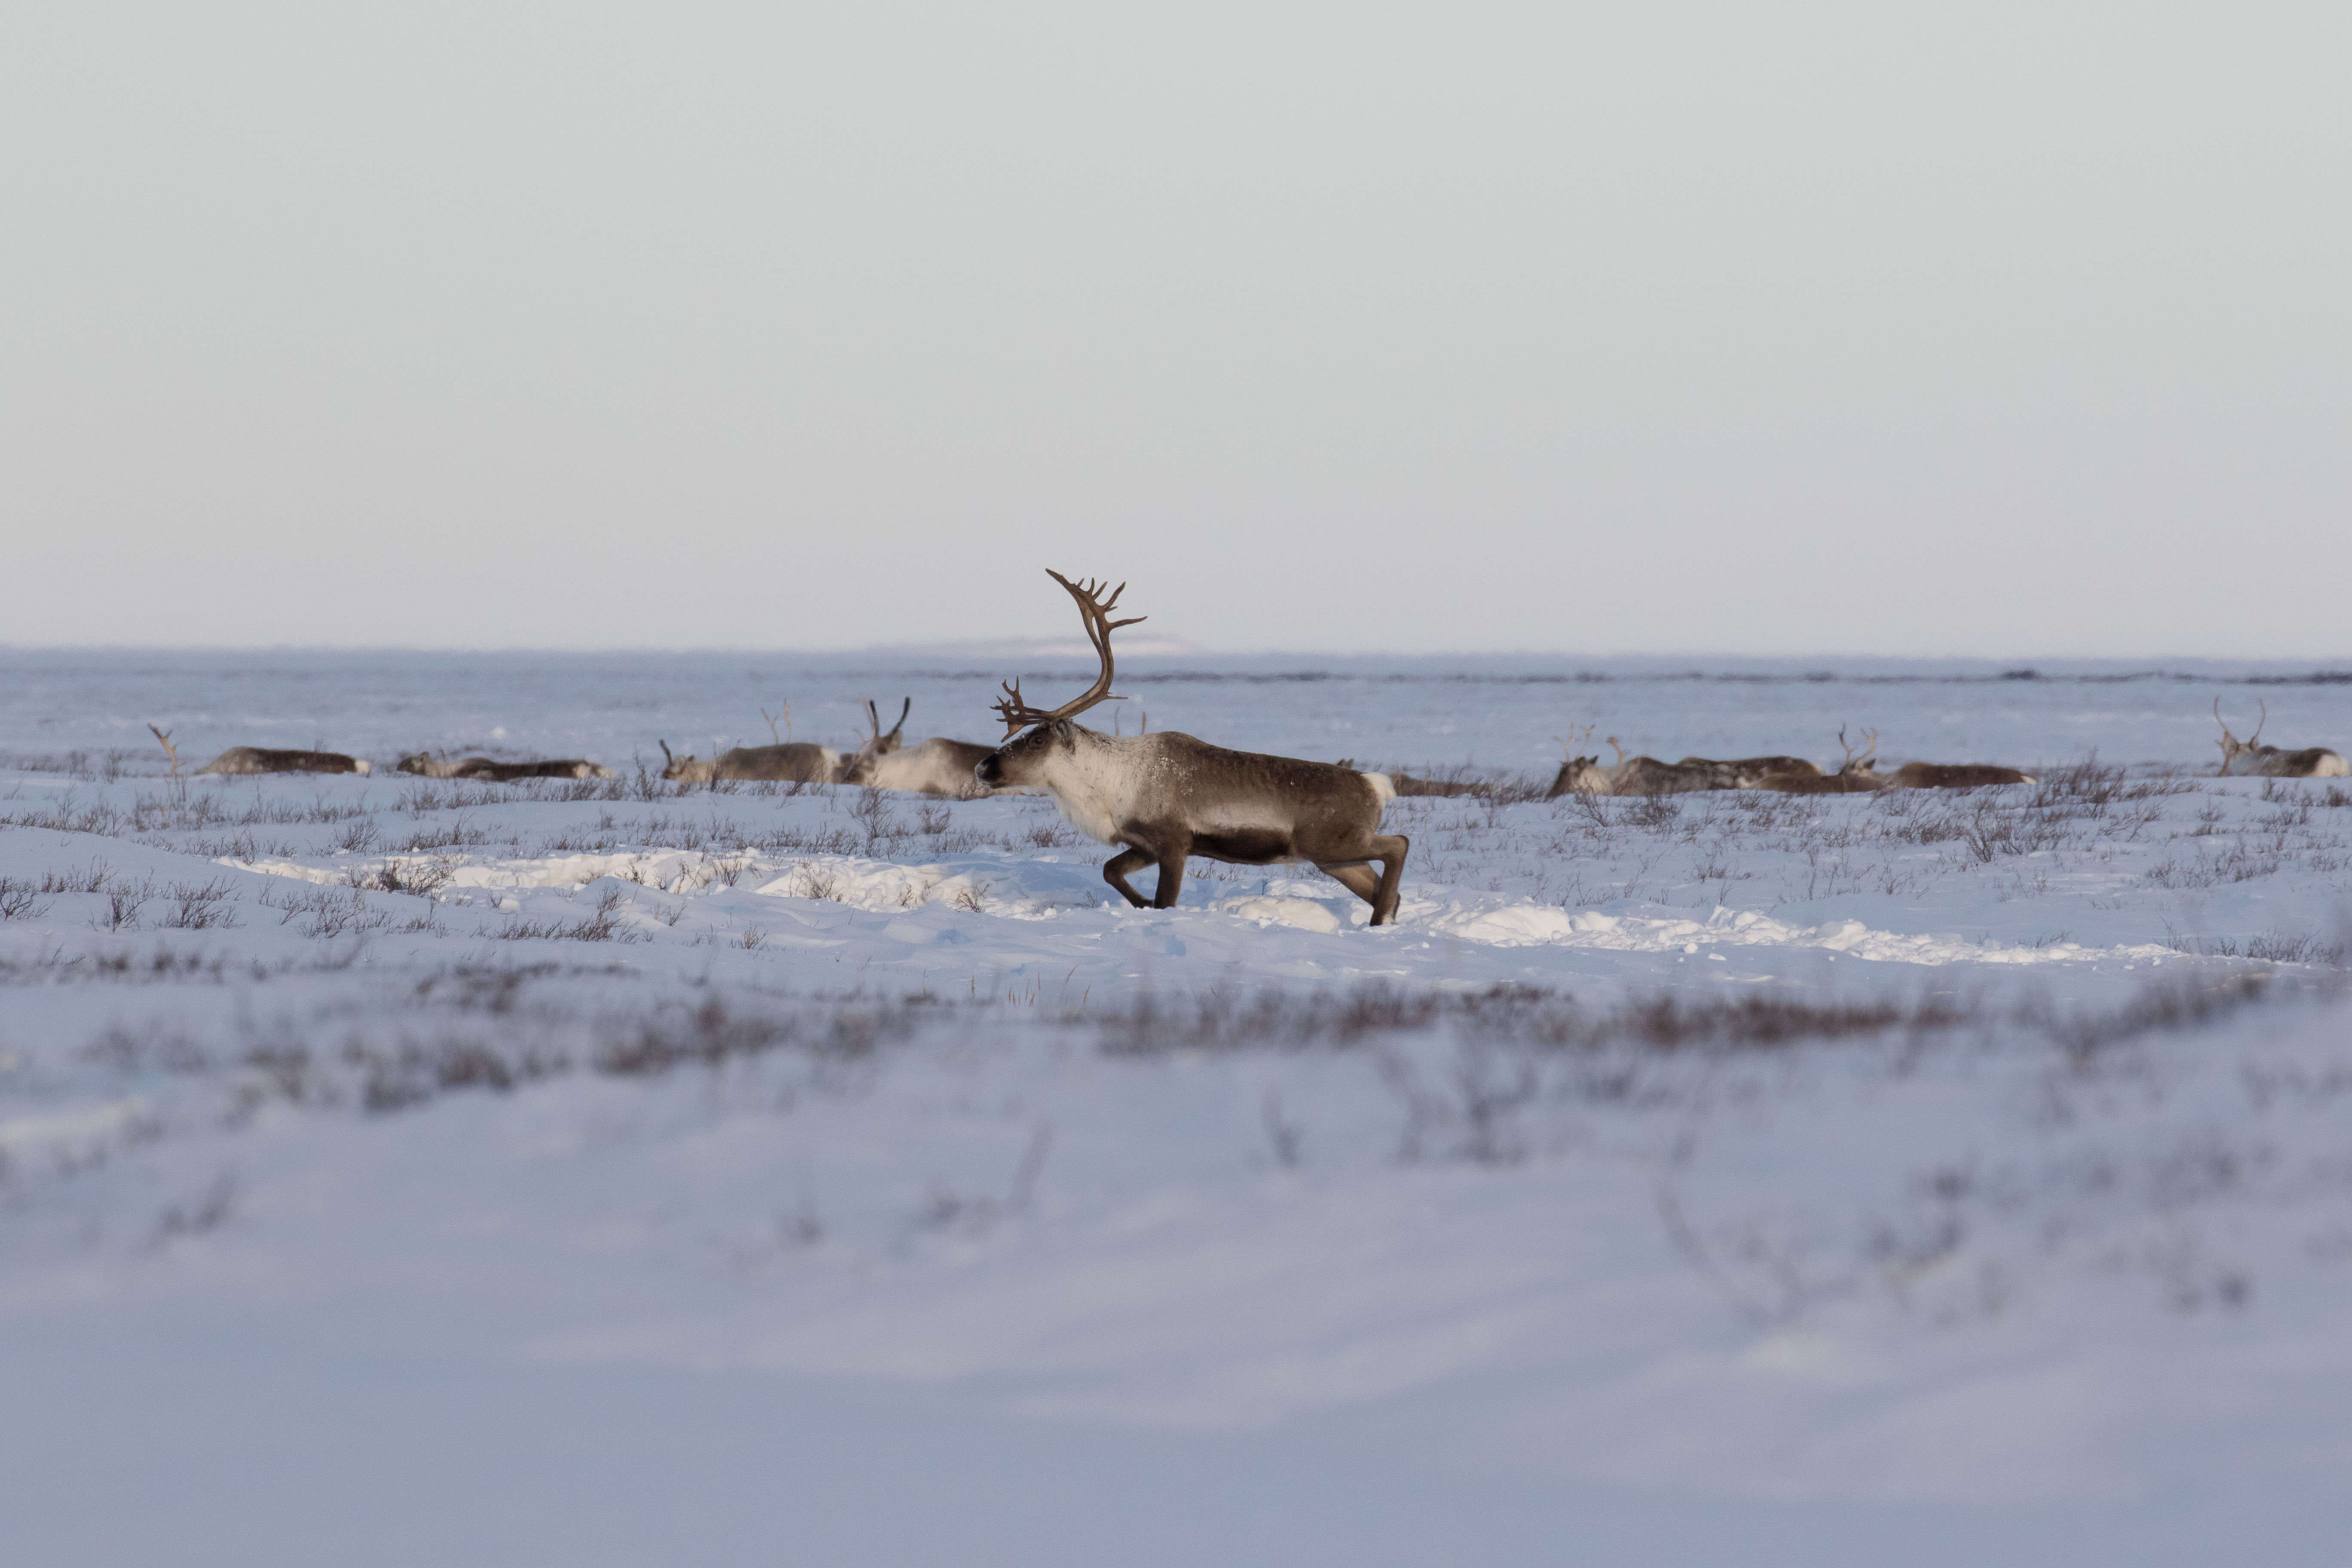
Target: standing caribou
{"x":795,"y":761}
{"x":2249,"y":758}
{"x":1159,"y":798}
{"x":937,"y":766}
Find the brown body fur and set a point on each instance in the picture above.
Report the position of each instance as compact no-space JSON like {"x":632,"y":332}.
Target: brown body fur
{"x":1167,"y":796}
{"x":1407,"y":785}
{"x":241,"y":759}
{"x":1647,"y":776}
{"x":939,"y":766}
{"x":1955,"y":775}
{"x":504,"y":772}
{"x":1846,"y":780}
{"x":794,"y":761}
{"x":2311,"y":763}
{"x":1745,"y":772}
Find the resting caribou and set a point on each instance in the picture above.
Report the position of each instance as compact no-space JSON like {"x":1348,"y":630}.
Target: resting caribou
{"x":795,"y":761}
{"x":263,"y":760}
{"x":937,"y":766}
{"x":1955,"y":775}
{"x":1748,"y":772}
{"x":483,"y":768}
{"x":1160,"y":798}
{"x":1857,"y":775}
{"x":2249,"y":758}
{"x":1854,"y":775}
{"x":1647,"y":776}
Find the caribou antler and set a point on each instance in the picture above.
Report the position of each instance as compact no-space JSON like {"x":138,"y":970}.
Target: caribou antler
{"x":665,"y":756}
{"x":169,"y":749}
{"x":873,"y":723}
{"x":1095,"y":609}
{"x":786,"y":716}
{"x":2230,"y":739}
{"x":1616,"y":748}
{"x":1869,"y":740}
{"x":1576,"y":738}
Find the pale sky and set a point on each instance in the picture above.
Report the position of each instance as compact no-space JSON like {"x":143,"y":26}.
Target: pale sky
{"x":1994,"y":328}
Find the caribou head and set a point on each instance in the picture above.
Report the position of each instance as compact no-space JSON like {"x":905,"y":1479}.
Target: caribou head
{"x":2233,"y":748}
{"x":1052,"y":737}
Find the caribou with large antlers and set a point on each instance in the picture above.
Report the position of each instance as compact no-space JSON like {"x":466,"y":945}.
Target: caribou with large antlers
{"x":1160,"y":798}
{"x":2249,"y":758}
{"x":937,"y":766}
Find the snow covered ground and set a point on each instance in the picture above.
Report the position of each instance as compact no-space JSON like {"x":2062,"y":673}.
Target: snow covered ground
{"x":400,"y":1170}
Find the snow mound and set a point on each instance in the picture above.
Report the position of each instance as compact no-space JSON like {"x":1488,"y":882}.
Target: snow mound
{"x":1045,"y":887}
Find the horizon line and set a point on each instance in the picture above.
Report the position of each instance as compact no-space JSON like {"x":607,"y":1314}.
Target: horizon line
{"x":1162,"y":650}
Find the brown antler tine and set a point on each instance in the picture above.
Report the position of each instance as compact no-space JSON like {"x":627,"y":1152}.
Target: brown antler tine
{"x":665,"y":746}
{"x":2260,"y":722}
{"x":905,"y":708}
{"x":1615,"y":747}
{"x":1012,"y":709}
{"x":1093,"y":604}
{"x":1094,"y":608}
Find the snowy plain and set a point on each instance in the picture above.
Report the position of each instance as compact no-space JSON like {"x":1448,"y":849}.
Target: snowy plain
{"x":403,"y":1170}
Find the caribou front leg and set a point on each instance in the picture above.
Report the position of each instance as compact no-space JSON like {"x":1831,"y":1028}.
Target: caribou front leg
{"x":1172,"y":872}
{"x":1116,"y":870}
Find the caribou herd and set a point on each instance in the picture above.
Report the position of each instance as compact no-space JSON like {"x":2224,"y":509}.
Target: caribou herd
{"x":1160,"y":798}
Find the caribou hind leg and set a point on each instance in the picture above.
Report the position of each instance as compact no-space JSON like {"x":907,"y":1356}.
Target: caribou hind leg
{"x":1379,"y":892}
{"x":1117,"y":869}
{"x":1356,"y":876}
{"x":1390,"y":850}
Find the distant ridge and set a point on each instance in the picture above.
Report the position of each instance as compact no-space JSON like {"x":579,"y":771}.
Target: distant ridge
{"x":1058,"y":647}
